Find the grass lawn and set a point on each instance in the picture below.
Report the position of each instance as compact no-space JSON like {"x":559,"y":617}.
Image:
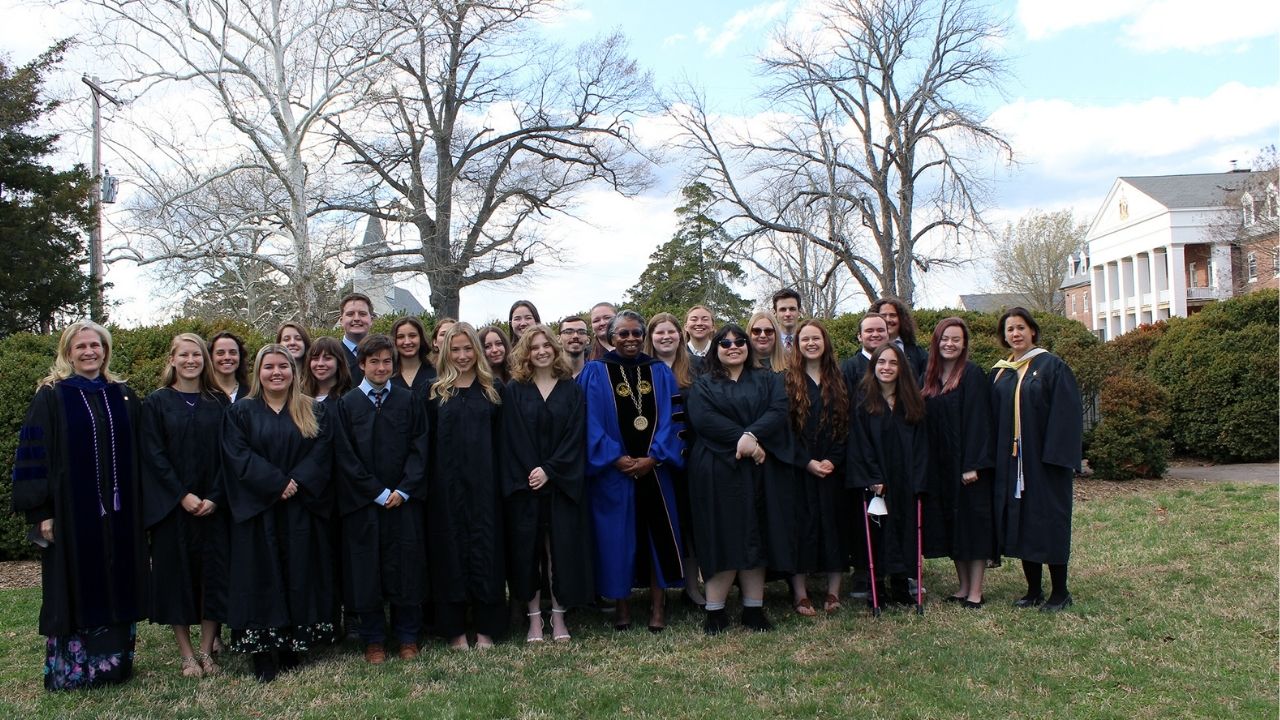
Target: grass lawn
{"x":1175,"y":616}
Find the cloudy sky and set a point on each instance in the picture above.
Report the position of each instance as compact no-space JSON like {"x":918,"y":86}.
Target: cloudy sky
{"x":1098,"y":89}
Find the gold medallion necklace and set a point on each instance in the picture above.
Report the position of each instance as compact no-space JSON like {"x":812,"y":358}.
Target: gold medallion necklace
{"x":642,"y":387}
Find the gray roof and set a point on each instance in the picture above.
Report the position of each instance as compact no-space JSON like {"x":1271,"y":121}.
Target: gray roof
{"x":991,"y":302}
{"x":373,"y":232}
{"x":403,"y":301}
{"x":1192,"y":191}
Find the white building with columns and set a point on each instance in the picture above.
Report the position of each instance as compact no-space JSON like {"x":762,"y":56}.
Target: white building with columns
{"x":1161,"y":247}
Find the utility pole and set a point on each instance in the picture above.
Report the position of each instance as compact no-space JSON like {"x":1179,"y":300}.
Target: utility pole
{"x":96,"y":307}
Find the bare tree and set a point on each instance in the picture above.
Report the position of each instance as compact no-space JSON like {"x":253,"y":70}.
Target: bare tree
{"x":877,"y":138}
{"x":475,"y":133}
{"x":271,"y":71}
{"x":1031,"y":256}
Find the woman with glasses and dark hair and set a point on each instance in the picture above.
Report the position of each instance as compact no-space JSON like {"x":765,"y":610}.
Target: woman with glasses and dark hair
{"x":958,"y":520}
{"x":1037,"y":448}
{"x":741,"y":486}
{"x":632,"y":446}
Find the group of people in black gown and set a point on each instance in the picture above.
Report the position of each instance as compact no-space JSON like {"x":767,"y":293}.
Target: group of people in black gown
{"x":448,"y":478}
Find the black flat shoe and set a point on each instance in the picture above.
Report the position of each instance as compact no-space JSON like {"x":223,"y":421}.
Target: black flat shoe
{"x":622,"y":626}
{"x":755,"y":619}
{"x":264,"y":667}
{"x":1057,"y":605}
{"x":953,"y":599}
{"x":655,"y":629}
{"x":289,"y":661}
{"x":1029,"y":601}
{"x":716,"y":622}
{"x":971,"y":605}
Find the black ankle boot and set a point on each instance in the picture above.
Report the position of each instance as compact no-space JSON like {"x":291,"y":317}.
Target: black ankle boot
{"x":264,"y":667}
{"x":755,"y":619}
{"x":716,"y":622}
{"x":288,"y":660}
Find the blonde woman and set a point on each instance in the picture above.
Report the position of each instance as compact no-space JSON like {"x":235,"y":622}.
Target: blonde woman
{"x":277,"y":449}
{"x":74,"y":480}
{"x":184,"y":500}
{"x":464,"y":501}
{"x":548,"y":523}
{"x":766,"y":342}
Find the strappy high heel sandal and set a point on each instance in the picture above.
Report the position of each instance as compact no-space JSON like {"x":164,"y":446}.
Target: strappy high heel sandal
{"x":542,"y":634}
{"x":562,"y":637}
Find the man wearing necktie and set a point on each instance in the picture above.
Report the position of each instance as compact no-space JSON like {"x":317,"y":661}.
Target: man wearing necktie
{"x":786,"y":305}
{"x":356,"y":317}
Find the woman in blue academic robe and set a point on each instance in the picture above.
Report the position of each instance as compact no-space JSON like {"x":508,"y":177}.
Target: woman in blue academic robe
{"x":632,"y":446}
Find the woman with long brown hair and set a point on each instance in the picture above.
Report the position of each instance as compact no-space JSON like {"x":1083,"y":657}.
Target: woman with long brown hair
{"x":414,"y":370}
{"x":326,"y":375}
{"x":889,"y":456}
{"x":819,"y":407}
{"x":958,"y":518}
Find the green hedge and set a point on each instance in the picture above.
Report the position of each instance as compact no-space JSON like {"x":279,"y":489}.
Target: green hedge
{"x":1132,"y":440}
{"x":139,"y":355}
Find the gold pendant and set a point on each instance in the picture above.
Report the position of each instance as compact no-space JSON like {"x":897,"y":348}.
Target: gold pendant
{"x":641,"y":423}
{"x":644,"y":387}
{"x":623,"y":390}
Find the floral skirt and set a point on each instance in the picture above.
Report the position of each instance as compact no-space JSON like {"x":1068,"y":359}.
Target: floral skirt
{"x":89,"y":657}
{"x":297,"y":638}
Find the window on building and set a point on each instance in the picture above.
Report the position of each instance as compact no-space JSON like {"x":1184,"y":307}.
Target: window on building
{"x":1085,"y":304}
{"x":1275,"y":262}
{"x":1271,"y":201}
{"x":1193,"y":275}
{"x":1073,"y":304}
{"x":1211,"y":270}
{"x":1246,"y":205}
{"x":1251,"y":262}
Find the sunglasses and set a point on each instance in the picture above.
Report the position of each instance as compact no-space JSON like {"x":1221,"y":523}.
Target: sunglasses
{"x":624,"y":334}
{"x":735,"y":342}
{"x":761,"y":331}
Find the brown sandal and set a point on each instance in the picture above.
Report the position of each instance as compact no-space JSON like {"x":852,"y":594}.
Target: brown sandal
{"x":831,"y":605}
{"x":191,"y":667}
{"x":804,"y":607}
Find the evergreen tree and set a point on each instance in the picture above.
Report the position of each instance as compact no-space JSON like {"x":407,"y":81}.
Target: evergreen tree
{"x":691,"y":268}
{"x":43,"y":212}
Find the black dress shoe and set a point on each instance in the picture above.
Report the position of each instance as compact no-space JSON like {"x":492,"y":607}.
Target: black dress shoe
{"x":755,"y":619}
{"x":1057,"y":604}
{"x":264,"y":667}
{"x":970,"y":605}
{"x":1029,"y":601}
{"x":716,"y":622}
{"x":289,"y":661}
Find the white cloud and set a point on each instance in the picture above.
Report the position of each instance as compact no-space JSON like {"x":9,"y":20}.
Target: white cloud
{"x":1062,"y":137}
{"x":674,"y":39}
{"x":1157,"y":25}
{"x":756,"y":17}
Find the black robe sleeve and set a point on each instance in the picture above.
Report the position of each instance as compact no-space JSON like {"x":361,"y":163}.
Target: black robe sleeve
{"x":1062,"y":444}
{"x":257,"y":482}
{"x":864,"y":470}
{"x":34,"y":466}
{"x":162,"y":489}
{"x":977,"y":421}
{"x":771,"y":428}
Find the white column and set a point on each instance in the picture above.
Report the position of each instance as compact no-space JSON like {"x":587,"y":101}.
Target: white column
{"x":1155,"y":289}
{"x":1221,"y":255}
{"x":1177,"y":267}
{"x":1137,"y":291}
{"x":1125,"y":279}
{"x":1110,"y":294}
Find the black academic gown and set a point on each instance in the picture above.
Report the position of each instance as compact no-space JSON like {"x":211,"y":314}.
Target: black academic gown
{"x":958,"y":520}
{"x":95,"y":572}
{"x":464,"y":499}
{"x":421,"y":382}
{"x":917,"y":358}
{"x":821,"y":520}
{"x":181,"y":454}
{"x":887,"y":450}
{"x":383,"y":549}
{"x":550,"y":434}
{"x":744,"y":514}
{"x":1037,"y":526}
{"x":280,"y":554}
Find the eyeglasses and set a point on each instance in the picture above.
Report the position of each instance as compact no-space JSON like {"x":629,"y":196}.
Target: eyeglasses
{"x":624,"y":334}
{"x":576,"y":331}
{"x":734,"y":342}
{"x":761,"y":331}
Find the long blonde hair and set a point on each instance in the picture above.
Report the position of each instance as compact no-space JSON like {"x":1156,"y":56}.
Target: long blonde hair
{"x":680,"y":365}
{"x":447,"y":372}
{"x":62,"y":367}
{"x":777,"y":360}
{"x":170,"y":374}
{"x":301,"y":407}
{"x":521,"y":366}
